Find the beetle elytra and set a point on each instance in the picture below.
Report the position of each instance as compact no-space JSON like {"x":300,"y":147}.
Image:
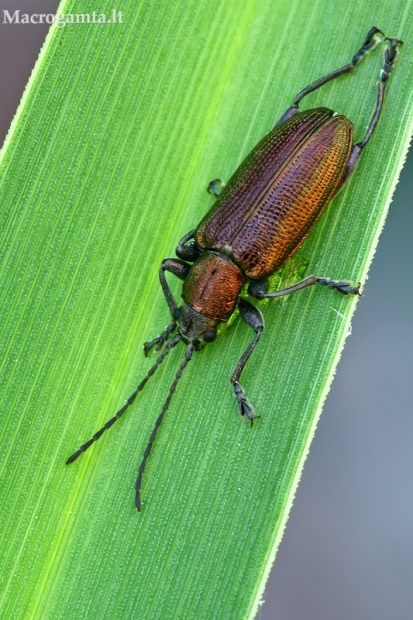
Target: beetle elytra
{"x":258,"y":221}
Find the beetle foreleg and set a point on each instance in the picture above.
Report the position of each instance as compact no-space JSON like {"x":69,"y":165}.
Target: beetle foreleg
{"x":189,"y":252}
{"x":180,"y":270}
{"x":253,"y":317}
{"x":258,"y":289}
{"x":160,"y":340}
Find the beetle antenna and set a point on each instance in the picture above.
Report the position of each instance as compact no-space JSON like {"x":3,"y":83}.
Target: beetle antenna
{"x":128,"y":403}
{"x":188,"y":356}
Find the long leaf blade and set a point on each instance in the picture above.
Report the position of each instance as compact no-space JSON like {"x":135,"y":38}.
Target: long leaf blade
{"x":103,"y":171}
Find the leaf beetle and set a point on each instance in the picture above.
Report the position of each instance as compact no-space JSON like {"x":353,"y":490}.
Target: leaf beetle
{"x":258,"y":221}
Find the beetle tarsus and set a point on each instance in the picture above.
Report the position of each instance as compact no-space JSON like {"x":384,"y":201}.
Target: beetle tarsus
{"x":390,"y":57}
{"x":160,"y":341}
{"x":245,"y":407}
{"x":342,"y":286}
{"x":370,"y":42}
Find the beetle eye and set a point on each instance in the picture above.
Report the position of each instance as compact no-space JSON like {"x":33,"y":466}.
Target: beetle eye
{"x":210,"y":336}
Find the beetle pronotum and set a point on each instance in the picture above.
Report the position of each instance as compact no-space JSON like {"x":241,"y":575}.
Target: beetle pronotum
{"x":257,"y":223}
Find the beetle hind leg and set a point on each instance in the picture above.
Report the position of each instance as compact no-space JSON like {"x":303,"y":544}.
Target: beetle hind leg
{"x":245,"y":407}
{"x":370,"y":42}
{"x":390,"y":57}
{"x":253,"y":317}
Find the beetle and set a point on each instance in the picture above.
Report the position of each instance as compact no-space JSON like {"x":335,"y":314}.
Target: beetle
{"x":258,"y":221}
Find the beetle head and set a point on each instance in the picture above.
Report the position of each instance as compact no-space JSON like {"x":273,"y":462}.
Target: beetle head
{"x":196,"y":328}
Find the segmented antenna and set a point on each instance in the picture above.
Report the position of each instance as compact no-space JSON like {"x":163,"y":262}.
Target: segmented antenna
{"x":138,"y":485}
{"x":128,"y":403}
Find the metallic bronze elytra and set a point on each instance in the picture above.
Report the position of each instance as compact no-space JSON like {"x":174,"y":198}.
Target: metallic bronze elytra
{"x":257,"y":223}
{"x":263,"y":215}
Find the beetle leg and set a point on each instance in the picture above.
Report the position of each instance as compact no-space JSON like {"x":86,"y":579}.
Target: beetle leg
{"x":390,"y":57}
{"x":253,"y":317}
{"x":160,"y":340}
{"x":287,"y":114}
{"x":259,"y":289}
{"x":369,"y":43}
{"x":180,"y":270}
{"x":189,"y":252}
{"x":215,"y":187}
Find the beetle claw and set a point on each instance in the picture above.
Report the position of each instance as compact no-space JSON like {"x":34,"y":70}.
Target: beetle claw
{"x":245,"y":407}
{"x":149,"y":345}
{"x":160,"y":341}
{"x":342,"y":286}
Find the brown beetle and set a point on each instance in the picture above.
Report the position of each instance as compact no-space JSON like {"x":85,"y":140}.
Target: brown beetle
{"x":258,"y":221}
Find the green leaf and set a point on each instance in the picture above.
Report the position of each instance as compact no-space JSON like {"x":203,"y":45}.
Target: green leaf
{"x":104,"y":169}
